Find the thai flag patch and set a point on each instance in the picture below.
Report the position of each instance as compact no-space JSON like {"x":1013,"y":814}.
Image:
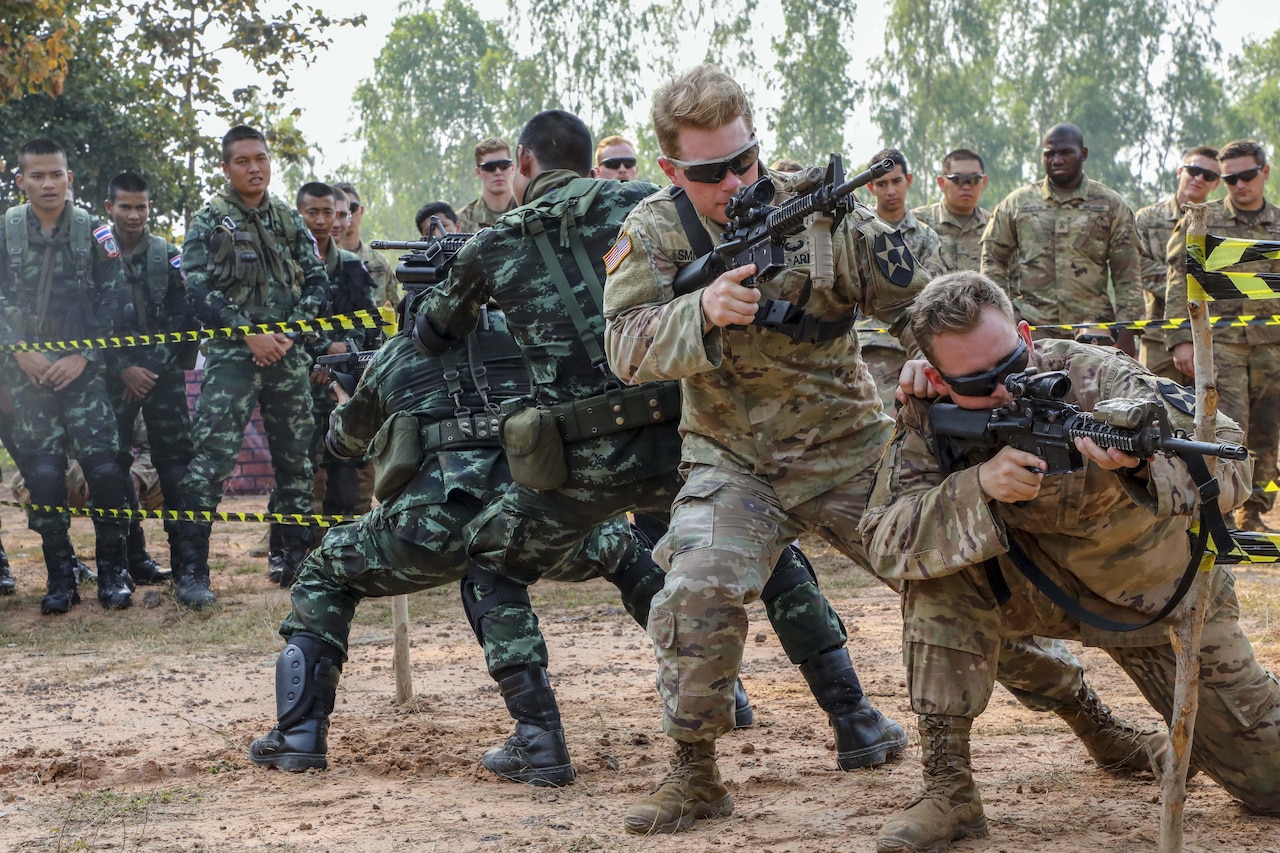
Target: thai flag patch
{"x":108,"y":241}
{"x":176,"y":261}
{"x":614,"y":256}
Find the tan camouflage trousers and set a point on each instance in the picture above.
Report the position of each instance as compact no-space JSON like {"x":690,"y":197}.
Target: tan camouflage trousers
{"x":953,"y":628}
{"x":1248,"y":380}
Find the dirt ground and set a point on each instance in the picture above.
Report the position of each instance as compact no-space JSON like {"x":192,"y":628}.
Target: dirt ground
{"x":128,"y":731}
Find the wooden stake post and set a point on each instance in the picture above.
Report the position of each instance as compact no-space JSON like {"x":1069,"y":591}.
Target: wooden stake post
{"x":1185,"y":636}
{"x":400,"y":648}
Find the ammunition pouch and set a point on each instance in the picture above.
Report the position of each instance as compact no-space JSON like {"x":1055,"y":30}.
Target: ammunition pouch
{"x":534,"y":448}
{"x":617,"y":410}
{"x":465,"y":431}
{"x":396,"y":455}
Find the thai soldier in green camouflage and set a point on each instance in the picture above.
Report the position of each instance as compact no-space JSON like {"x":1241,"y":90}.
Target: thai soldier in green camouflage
{"x":149,"y":382}
{"x":59,"y":269}
{"x":388,"y":290}
{"x":543,"y":264}
{"x":1112,"y":536}
{"x":248,"y":258}
{"x":494,"y":168}
{"x":958,"y":219}
{"x":416,"y":538}
{"x":1051,"y":246}
{"x":881,"y":351}
{"x":1246,"y":360}
{"x":1197,"y":177}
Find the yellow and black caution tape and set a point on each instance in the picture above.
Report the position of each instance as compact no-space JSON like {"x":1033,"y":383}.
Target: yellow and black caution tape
{"x":1250,"y":548}
{"x":1208,"y":276}
{"x":384,"y":318}
{"x":175,"y":515}
{"x":1222,"y":252}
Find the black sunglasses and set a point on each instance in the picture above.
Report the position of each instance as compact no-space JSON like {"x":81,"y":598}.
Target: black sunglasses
{"x":984,"y":384}
{"x":1207,"y":175}
{"x":713,"y":171}
{"x":495,"y":165}
{"x":970,"y":179}
{"x":353,"y":206}
{"x":1247,"y":175}
{"x":619,"y":163}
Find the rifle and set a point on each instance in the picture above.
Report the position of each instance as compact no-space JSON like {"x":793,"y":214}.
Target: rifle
{"x":757,"y":230}
{"x":426,"y":263}
{"x":347,"y":367}
{"x":1038,"y":421}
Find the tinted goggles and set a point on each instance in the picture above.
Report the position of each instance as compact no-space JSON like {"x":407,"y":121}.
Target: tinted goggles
{"x":969,"y":179}
{"x":496,"y":165}
{"x":713,"y":171}
{"x":984,"y":384}
{"x":616,"y":163}
{"x":1247,"y":175}
{"x":1206,"y":175}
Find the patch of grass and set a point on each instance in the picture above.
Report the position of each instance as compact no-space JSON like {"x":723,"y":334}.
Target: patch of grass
{"x":117,"y":819}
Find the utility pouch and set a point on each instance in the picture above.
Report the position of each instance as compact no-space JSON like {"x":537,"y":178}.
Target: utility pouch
{"x":534,"y":448}
{"x":396,"y":454}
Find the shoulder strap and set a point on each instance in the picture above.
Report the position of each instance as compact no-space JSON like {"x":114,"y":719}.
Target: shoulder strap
{"x":15,"y":239}
{"x":81,"y":244}
{"x":698,"y":239}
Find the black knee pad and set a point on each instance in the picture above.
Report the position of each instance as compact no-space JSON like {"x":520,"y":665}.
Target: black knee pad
{"x":648,"y":528}
{"x":792,"y":569}
{"x":106,"y":480}
{"x":306,"y":673}
{"x":482,"y":591}
{"x":46,"y":478}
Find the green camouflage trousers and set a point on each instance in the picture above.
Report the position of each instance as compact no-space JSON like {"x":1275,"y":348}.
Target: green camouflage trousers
{"x":1248,"y":380}
{"x":233,"y":384}
{"x":168,"y":426}
{"x":1237,"y":733}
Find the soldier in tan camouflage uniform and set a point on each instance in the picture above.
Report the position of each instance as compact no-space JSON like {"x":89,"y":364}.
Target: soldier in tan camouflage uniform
{"x":1112,"y":536}
{"x":883,"y":354}
{"x":495,"y":169}
{"x":1246,"y":360}
{"x":1051,"y":246}
{"x":958,"y":219}
{"x":379,"y":268}
{"x":1197,"y":177}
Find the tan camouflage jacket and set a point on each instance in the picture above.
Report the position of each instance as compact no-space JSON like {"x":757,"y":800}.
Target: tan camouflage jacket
{"x":961,"y":241}
{"x":806,"y":416}
{"x":388,"y":292}
{"x":926,"y":248}
{"x":1154,"y":223}
{"x":477,"y":215}
{"x":1221,"y":220}
{"x":1052,"y":251}
{"x":1117,"y":542}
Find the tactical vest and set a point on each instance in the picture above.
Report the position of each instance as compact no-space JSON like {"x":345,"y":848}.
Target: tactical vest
{"x":16,"y":242}
{"x":230,"y":277}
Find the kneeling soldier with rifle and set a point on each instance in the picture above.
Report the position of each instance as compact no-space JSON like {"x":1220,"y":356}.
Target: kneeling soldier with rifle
{"x":987,"y":546}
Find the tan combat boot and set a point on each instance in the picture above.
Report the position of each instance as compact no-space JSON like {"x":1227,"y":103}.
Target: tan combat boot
{"x":691,"y":791}
{"x":1114,"y":745}
{"x":949,"y":807}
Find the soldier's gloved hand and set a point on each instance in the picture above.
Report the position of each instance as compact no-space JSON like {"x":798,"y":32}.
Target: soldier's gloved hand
{"x":1008,"y":477}
{"x":266,"y":349}
{"x":725,"y":302}
{"x":65,"y":371}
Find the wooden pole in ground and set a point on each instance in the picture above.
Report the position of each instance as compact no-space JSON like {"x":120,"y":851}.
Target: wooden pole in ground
{"x":400,"y":648}
{"x":1185,"y":635}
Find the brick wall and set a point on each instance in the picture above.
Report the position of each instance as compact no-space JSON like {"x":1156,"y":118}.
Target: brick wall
{"x":252,"y":474}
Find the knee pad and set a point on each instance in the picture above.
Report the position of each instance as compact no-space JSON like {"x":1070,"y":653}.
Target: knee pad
{"x":483,"y":591}
{"x":306,"y":674}
{"x":46,"y":478}
{"x":106,"y":480}
{"x":792,"y":569}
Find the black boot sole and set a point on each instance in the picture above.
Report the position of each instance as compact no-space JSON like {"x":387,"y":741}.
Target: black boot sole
{"x":540,"y":777}
{"x":292,"y":762}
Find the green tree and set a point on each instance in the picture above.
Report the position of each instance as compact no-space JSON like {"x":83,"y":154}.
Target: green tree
{"x":812,"y":69}
{"x":36,"y":44}
{"x":1255,"y":111}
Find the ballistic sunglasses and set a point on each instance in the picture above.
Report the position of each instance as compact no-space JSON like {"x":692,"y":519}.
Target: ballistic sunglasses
{"x":984,"y":384}
{"x":1247,"y":175}
{"x":970,"y":179}
{"x":496,"y":165}
{"x":616,"y":163}
{"x":1207,"y":175}
{"x":713,"y":171}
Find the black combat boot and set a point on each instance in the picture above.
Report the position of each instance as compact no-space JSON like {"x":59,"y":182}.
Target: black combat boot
{"x":743,"y":714}
{"x":83,"y":573}
{"x":114,"y":592}
{"x":143,"y":569}
{"x":275,"y":552}
{"x":7,"y":584}
{"x":189,"y":554}
{"x":60,"y":561}
{"x":296,"y":540}
{"x":864,"y":736}
{"x":535,"y":753}
{"x":307,"y":674}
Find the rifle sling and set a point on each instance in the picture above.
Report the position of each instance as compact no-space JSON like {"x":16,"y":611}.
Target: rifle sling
{"x":698,"y":239}
{"x":1211,"y":522}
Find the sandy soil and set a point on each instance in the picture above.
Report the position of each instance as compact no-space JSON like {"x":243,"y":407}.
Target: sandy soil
{"x":128,"y":731}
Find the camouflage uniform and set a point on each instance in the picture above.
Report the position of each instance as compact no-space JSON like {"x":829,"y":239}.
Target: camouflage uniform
{"x":779,"y":435}
{"x":1115,"y":542}
{"x":387,"y":290}
{"x":1052,"y":249}
{"x":477,"y":215}
{"x":78,"y":419}
{"x":1154,"y":224}
{"x":1246,"y":360}
{"x":634,"y":469}
{"x":883,"y":354}
{"x":961,"y":239}
{"x":143,"y":310}
{"x":287,"y":282}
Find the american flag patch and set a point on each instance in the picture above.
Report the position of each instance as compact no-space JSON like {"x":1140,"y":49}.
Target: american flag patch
{"x":104,"y":236}
{"x":614,"y":256}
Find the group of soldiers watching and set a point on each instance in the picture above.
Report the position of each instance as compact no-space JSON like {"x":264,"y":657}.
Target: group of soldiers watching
{"x":555,"y":381}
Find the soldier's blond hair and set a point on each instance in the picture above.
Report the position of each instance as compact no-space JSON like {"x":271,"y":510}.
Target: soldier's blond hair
{"x":952,"y":305}
{"x":610,"y":141}
{"x":705,"y":98}
{"x":488,"y":146}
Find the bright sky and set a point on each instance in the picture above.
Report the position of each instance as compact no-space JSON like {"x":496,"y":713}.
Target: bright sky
{"x":324,"y":90}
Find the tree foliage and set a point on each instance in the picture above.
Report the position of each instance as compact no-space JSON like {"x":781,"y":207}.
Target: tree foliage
{"x":36,"y":44}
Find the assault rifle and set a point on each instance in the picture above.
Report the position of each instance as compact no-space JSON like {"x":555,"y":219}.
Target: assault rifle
{"x":426,"y":263}
{"x":757,"y":230}
{"x":346,"y":367}
{"x":1038,"y":421}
